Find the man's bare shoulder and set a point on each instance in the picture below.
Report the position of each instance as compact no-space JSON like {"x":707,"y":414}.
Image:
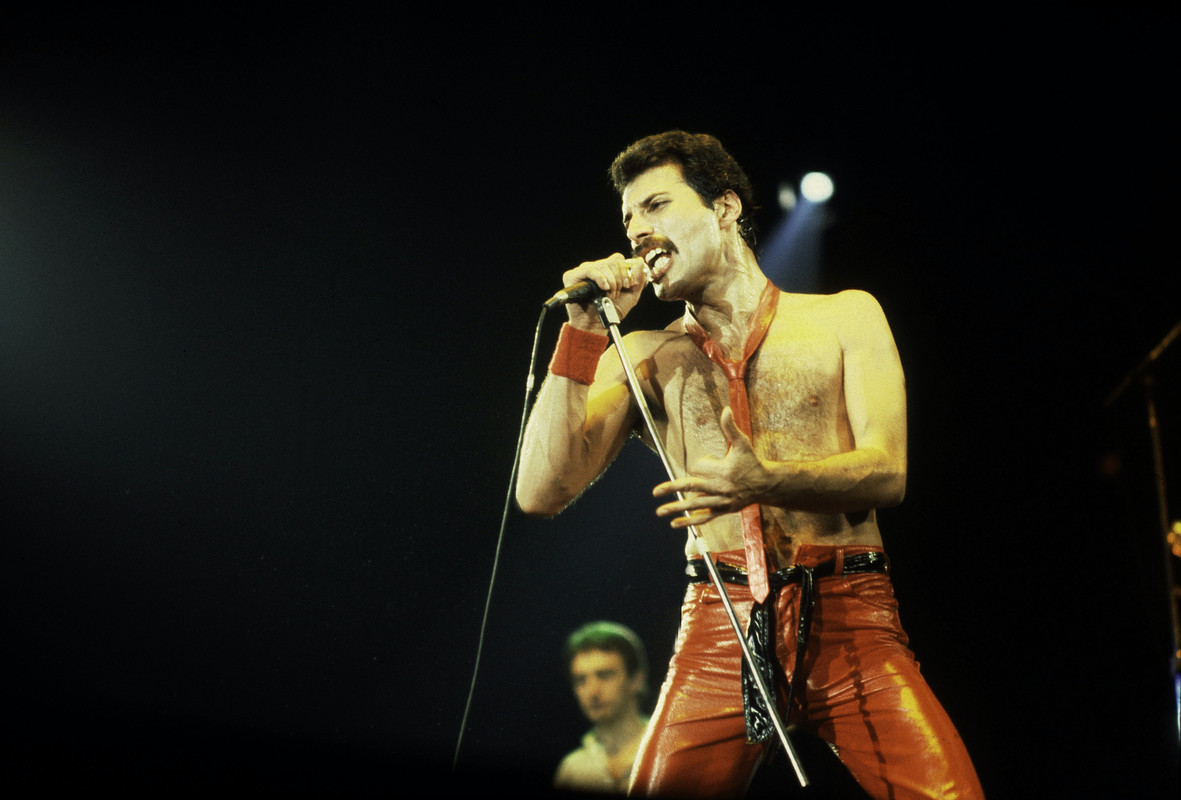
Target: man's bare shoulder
{"x":848,"y":311}
{"x":848,"y":301}
{"x":647,"y":342}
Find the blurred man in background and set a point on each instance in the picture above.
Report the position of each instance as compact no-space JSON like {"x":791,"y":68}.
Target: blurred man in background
{"x":609,"y":673}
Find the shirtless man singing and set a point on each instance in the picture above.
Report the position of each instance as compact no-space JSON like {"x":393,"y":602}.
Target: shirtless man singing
{"x":784,"y":417}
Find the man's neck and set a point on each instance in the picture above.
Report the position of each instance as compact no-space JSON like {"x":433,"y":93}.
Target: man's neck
{"x":728,"y":303}
{"x":615,"y":734}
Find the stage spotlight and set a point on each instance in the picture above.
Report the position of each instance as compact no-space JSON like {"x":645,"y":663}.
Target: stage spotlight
{"x":787,"y":197}
{"x":816,"y":187}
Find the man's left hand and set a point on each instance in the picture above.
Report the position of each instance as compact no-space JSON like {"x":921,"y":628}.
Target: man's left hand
{"x":719,"y":485}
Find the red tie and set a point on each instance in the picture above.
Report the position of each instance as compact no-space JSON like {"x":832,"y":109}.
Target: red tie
{"x":752,"y":523}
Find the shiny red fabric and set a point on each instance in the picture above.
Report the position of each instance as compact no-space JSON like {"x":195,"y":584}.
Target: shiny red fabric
{"x":863,"y":693}
{"x":752,"y":516}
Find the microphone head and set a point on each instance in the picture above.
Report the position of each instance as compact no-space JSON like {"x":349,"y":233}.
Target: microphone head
{"x":576,"y":293}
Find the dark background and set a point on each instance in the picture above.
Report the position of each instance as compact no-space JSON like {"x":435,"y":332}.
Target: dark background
{"x":268,"y":290}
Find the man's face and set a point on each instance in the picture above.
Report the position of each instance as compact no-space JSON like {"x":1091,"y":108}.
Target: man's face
{"x":669,"y":226}
{"x":602,"y":686}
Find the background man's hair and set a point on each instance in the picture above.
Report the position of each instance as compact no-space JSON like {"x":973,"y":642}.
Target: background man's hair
{"x":611,"y":637}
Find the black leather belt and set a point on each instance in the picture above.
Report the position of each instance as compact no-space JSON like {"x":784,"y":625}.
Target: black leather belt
{"x":760,"y":633}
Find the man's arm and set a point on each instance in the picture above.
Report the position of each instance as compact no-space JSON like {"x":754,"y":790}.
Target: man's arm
{"x":871,"y":475}
{"x":576,"y":430}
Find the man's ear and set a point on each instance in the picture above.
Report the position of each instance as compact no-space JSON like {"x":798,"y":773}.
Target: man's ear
{"x":728,"y":208}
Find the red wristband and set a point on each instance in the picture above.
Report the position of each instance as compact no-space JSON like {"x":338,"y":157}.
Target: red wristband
{"x":577,"y":355}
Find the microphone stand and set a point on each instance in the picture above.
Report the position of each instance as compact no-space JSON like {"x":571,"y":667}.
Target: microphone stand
{"x":610,"y":318}
{"x":1143,"y":372}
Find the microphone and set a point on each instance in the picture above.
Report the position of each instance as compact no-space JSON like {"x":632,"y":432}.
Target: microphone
{"x":575,"y":293}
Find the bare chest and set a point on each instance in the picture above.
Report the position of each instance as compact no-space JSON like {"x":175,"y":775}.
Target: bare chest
{"x":793,"y":387}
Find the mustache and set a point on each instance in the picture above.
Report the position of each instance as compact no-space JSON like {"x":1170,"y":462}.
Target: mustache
{"x":651,"y":243}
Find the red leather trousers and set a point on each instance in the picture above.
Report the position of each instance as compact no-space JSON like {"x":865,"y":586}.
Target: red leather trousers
{"x":863,"y":693}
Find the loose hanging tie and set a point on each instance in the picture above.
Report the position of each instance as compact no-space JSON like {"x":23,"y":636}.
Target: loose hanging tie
{"x":752,"y":523}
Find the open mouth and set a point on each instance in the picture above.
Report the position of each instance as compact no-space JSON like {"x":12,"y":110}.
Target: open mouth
{"x":657,"y":258}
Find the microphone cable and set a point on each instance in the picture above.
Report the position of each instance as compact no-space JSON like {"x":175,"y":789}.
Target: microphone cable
{"x":500,"y":537}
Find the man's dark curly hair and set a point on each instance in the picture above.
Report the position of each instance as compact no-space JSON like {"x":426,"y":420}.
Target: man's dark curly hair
{"x":707,"y":167}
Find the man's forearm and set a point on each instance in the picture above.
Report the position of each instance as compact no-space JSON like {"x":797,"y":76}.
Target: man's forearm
{"x":858,"y":480}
